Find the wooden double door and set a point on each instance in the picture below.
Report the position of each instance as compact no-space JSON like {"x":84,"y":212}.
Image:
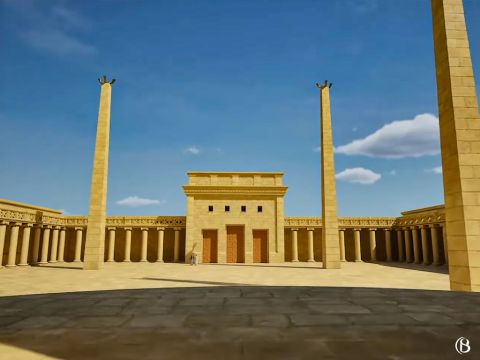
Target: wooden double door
{"x":235,"y":244}
{"x":260,"y":246}
{"x":210,"y":246}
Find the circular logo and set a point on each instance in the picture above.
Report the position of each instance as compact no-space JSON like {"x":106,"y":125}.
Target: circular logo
{"x":462,"y":345}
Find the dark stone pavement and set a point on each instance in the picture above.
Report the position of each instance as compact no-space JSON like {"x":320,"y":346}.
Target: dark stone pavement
{"x":245,"y":322}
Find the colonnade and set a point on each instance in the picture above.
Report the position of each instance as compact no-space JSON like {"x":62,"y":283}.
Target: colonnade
{"x":413,"y":245}
{"x":48,"y":244}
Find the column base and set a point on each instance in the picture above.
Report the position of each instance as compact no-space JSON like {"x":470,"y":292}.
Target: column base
{"x":294,"y":261}
{"x":159,"y":261}
{"x":10,"y":266}
{"x":110,"y":260}
{"x":358,"y":261}
{"x":310,"y":261}
{"x":127,"y":261}
{"x":437,"y":264}
{"x":53,"y":261}
{"x":22,"y":264}
{"x":143,"y":260}
{"x":42,"y":263}
{"x":76,"y":261}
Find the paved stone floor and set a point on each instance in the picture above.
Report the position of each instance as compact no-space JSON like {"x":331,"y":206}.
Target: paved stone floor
{"x":208,"y":317}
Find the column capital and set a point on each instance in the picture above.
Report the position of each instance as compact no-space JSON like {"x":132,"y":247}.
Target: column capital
{"x":310,"y":229}
{"x":144,"y":228}
{"x":177,"y":228}
{"x":127,"y":228}
{"x":356,"y":229}
{"x":294,"y":229}
{"x":341,"y":229}
{"x":387,"y":229}
{"x":57,"y":227}
{"x":434,"y":225}
{"x":78,"y":228}
{"x":27,"y":225}
{"x":16,"y":224}
{"x":110,"y":228}
{"x":63,"y":228}
{"x":372,"y":229}
{"x":162,"y":228}
{"x":413,"y":227}
{"x":47,"y":226}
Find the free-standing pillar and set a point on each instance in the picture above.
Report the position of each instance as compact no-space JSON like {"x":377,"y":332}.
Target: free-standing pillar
{"x":425,"y":247}
{"x":445,"y":244}
{"x":408,"y":246}
{"x":388,"y":245}
{"x":459,"y":142}
{"x":358,"y":250}
{"x":342,"y":244}
{"x":25,"y":245}
{"x":310,"y":245}
{"x":294,"y":245}
{"x":416,"y":246}
{"x":12,"y":250}
{"x":3,"y":230}
{"x":78,"y":244}
{"x":111,"y":244}
{"x":54,"y":247}
{"x":161,"y":231}
{"x":128,"y":244}
{"x":61,"y":245}
{"x":45,"y":244}
{"x":176,"y":245}
{"x":373,"y":245}
{"x":95,"y":242}
{"x":401,"y":253}
{"x":435,"y":247}
{"x":144,"y":244}
{"x":330,"y":245}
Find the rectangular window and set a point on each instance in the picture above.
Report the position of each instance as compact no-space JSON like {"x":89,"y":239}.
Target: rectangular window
{"x":244,"y":208}
{"x":210,"y":208}
{"x":227,"y":208}
{"x":259,"y":208}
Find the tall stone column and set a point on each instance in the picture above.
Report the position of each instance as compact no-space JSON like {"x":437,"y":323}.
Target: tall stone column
{"x":373,"y":245}
{"x":435,"y":247}
{"x":176,"y":245}
{"x":342,"y":244}
{"x":294,"y":245}
{"x":95,"y":242}
{"x":45,"y":244}
{"x":111,"y":244}
{"x":401,"y":253}
{"x":310,"y":245}
{"x":445,"y":244}
{"x":144,"y":244}
{"x":358,"y":249}
{"x":425,"y":248}
{"x":416,"y":246}
{"x":408,"y":246}
{"x":161,"y":231}
{"x":3,"y":230}
{"x":54,"y":247}
{"x":25,"y":245}
{"x":388,"y":245}
{"x":61,"y":245}
{"x":36,"y":244}
{"x":78,"y":244}
{"x":12,"y":250}
{"x":460,"y":142}
{"x":128,"y":244}
{"x":330,"y":246}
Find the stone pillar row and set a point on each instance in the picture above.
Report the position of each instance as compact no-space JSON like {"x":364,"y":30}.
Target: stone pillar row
{"x":49,"y":246}
{"x":413,"y":244}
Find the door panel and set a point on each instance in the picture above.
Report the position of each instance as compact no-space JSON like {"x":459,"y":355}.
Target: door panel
{"x":235,"y":244}
{"x":260,"y":246}
{"x":209,"y":246}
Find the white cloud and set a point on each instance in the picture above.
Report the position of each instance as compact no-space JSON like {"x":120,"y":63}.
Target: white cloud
{"x":192,"y":150}
{"x":358,"y":175}
{"x":135,"y":201}
{"x":57,"y":42}
{"x":398,"y":139}
{"x":435,"y":170}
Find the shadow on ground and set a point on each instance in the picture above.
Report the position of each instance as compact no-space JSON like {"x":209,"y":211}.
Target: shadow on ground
{"x":240,"y":322}
{"x":442,"y":269}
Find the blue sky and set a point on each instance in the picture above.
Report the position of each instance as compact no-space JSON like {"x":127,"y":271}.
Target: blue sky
{"x":221,"y":86}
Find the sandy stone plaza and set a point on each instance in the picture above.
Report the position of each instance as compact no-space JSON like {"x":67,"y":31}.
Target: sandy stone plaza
{"x":277,"y":311}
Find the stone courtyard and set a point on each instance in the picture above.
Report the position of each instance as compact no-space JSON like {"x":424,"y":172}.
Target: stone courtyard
{"x":277,"y":311}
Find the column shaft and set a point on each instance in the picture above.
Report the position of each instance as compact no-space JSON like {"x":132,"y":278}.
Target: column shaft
{"x":435,"y":249}
{"x":388,"y":245}
{"x":373,"y":245}
{"x":160,"y":244}
{"x":25,"y":245}
{"x":401,"y":252}
{"x":12,"y":250}
{"x":128,"y":244}
{"x":408,"y":246}
{"x":144,"y":245}
{"x":425,"y":248}
{"x":358,"y":250}
{"x":294,"y":245}
{"x":78,"y":244}
{"x":445,"y":243}
{"x":111,"y":245}
{"x":3,"y":230}
{"x":342,"y":244}
{"x":54,"y":247}
{"x":36,"y":244}
{"x":45,"y":244}
{"x":61,"y":245}
{"x":176,"y":245}
{"x":310,"y":246}
{"x":416,"y":246}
